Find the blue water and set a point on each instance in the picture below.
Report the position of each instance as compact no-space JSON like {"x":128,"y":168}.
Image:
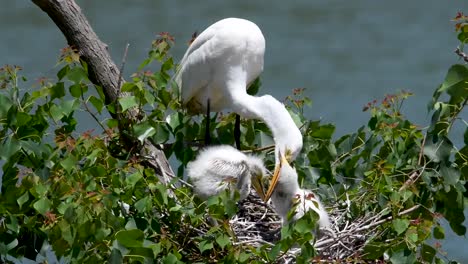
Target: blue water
{"x":345,"y":53}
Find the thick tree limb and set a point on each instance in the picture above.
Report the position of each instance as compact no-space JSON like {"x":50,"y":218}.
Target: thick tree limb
{"x":103,"y":72}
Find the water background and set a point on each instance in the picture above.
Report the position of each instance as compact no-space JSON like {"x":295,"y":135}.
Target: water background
{"x":346,"y":53}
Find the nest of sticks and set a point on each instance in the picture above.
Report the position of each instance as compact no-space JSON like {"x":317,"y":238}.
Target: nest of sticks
{"x":257,"y":224}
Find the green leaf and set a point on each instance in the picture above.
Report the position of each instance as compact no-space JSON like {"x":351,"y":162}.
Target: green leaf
{"x":9,"y":147}
{"x":5,"y":248}
{"x":144,"y":63}
{"x":456,"y":83}
{"x":143,"y":204}
{"x":42,"y":205}
{"x":12,"y":245}
{"x":324,"y":132}
{"x":400,"y":225}
{"x":286,"y":231}
{"x":69,"y":106}
{"x":57,"y":91}
{"x":62,"y":72}
{"x":112,"y":123}
{"x":68,"y":163}
{"x":162,"y":134}
{"x":143,"y":131}
{"x":174,"y":120}
{"x":244,"y":256}
{"x":162,"y":192}
{"x":66,"y":232}
{"x":428,"y":253}
{"x":5,"y":104}
{"x":130,"y":238}
{"x":102,"y":233}
{"x":115,"y":257}
{"x":22,"y":118}
{"x":94,"y":155}
{"x":374,"y":250}
{"x":141,"y":252}
{"x":451,"y":175}
{"x":128,"y":102}
{"x":438,"y":232}
{"x":131,"y":224}
{"x":128,"y":87}
{"x":303,"y":225}
{"x":63,"y":109}
{"x":96,"y":102}
{"x":167,"y":65}
{"x":40,"y":190}
{"x":77,"y":90}
{"x":22,"y":199}
{"x":403,"y":256}
{"x":133,"y":179}
{"x":165,"y":97}
{"x":296,"y":118}
{"x":412,"y":236}
{"x":275,"y":250}
{"x":223,"y":240}
{"x":13,"y":225}
{"x":170,"y":259}
{"x":205,"y":245}
{"x":55,"y":113}
{"x":77,"y":74}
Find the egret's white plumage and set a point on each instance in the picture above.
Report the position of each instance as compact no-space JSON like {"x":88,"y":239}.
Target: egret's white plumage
{"x":217,"y":168}
{"x":288,"y":194}
{"x":219,"y":65}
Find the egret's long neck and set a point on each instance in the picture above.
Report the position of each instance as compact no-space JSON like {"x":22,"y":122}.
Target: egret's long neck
{"x":276,"y":117}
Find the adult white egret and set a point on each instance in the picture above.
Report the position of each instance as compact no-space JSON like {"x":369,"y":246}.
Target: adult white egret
{"x":288,"y":194}
{"x":217,"y":168}
{"x":218,"y":67}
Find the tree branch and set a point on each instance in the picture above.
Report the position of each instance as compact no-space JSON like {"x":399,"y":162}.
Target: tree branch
{"x":102,"y":70}
{"x":68,"y":17}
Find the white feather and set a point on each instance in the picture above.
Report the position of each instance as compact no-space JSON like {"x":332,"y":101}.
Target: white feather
{"x":217,"y":168}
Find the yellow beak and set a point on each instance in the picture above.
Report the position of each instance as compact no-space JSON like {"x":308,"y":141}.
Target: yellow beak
{"x":257,"y":184}
{"x":274,"y":180}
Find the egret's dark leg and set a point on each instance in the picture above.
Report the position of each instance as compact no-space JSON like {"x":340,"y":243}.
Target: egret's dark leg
{"x":237,"y":132}
{"x":207,"y":124}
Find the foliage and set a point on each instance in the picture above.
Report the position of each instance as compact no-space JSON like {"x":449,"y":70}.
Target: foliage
{"x":83,"y":197}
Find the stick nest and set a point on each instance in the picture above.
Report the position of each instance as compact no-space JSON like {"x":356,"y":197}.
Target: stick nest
{"x":257,"y":224}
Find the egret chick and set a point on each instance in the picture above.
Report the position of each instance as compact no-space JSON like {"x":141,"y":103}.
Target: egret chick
{"x":288,"y":194}
{"x":222,"y":167}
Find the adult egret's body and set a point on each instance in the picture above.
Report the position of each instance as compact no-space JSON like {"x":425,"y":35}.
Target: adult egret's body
{"x":288,"y":194}
{"x":218,"y":67}
{"x":217,"y":168}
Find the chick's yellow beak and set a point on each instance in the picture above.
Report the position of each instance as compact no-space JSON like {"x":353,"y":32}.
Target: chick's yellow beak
{"x":257,"y":184}
{"x":274,"y":180}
